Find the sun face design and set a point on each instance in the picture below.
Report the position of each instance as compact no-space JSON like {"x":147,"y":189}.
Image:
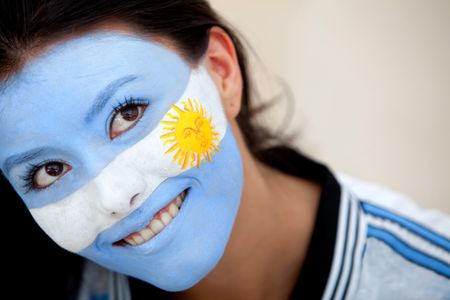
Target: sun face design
{"x":189,"y":135}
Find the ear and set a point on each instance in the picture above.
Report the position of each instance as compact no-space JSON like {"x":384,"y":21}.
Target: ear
{"x":223,"y":66}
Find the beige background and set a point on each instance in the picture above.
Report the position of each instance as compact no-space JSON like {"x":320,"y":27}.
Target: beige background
{"x":371,"y":80}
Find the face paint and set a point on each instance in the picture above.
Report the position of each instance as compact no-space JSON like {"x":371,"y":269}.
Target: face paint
{"x":168,"y":136}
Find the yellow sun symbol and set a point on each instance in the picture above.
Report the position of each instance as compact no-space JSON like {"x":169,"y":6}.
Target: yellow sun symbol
{"x":190,"y":134}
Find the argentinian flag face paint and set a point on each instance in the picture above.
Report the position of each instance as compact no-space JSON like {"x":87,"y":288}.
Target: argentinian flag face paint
{"x":123,"y":155}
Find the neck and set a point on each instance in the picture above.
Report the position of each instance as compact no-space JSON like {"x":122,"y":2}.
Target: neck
{"x":269,"y":240}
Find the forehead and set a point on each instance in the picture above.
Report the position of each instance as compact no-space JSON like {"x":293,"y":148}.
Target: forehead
{"x":89,"y":61}
{"x":54,"y":91}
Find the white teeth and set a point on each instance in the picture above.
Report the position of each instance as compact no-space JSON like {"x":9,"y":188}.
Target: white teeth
{"x":138,"y":239}
{"x":159,"y":222}
{"x":147,"y":233}
{"x":166,"y":218}
{"x":173,"y":210}
{"x":178,"y":201}
{"x":156,"y":226}
{"x":130,"y":241}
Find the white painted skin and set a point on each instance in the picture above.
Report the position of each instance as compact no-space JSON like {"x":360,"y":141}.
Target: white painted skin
{"x":75,"y":221}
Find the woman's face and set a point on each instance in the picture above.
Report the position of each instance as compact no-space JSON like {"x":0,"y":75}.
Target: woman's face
{"x":123,"y":154}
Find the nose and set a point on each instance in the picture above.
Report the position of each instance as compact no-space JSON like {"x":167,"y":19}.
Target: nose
{"x":132,"y":202}
{"x":117,"y":193}
{"x":117,"y":201}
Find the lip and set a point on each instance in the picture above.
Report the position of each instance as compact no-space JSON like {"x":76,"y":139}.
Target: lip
{"x":124,"y":242}
{"x":142,"y":215}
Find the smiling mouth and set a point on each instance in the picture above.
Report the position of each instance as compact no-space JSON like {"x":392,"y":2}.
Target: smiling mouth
{"x":159,"y":221}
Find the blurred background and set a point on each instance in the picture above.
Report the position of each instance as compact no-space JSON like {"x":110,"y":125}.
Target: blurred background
{"x":371,"y":81}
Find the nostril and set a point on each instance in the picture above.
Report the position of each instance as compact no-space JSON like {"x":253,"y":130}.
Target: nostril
{"x":133,"y":199}
{"x":132,"y":202}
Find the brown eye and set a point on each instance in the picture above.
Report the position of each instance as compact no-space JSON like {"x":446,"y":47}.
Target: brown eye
{"x":54,"y":169}
{"x":47,"y":174}
{"x":126,"y":118}
{"x":130,"y":113}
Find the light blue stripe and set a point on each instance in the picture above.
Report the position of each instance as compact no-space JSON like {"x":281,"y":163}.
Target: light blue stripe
{"x":409,"y":252}
{"x":418,"y":229}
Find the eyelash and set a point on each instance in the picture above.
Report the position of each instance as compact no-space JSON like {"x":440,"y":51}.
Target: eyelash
{"x":29,"y":175}
{"x":128,"y":101}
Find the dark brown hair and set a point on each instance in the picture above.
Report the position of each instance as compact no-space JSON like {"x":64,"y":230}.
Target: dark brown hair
{"x":29,"y":25}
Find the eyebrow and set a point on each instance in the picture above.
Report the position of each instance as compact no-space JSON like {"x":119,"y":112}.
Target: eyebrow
{"x":105,"y":95}
{"x":99,"y":103}
{"x":24,"y":157}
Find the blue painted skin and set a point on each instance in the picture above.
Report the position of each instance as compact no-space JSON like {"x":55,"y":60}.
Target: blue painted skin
{"x":46,"y":114}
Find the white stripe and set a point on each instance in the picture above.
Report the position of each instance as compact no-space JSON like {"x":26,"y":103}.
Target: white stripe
{"x":338,"y":251}
{"x":349,"y":248}
{"x":357,"y":259}
{"x":410,"y":238}
{"x":75,"y":221}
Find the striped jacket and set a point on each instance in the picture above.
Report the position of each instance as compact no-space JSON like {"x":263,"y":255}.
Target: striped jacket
{"x":372,"y":243}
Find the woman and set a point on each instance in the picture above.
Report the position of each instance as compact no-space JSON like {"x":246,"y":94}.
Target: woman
{"x":126,"y":129}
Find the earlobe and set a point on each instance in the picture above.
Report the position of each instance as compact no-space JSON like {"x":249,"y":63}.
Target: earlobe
{"x":223,"y":66}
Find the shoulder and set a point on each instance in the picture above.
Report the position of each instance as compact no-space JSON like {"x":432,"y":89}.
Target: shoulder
{"x":386,"y":244}
{"x":372,"y":195}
